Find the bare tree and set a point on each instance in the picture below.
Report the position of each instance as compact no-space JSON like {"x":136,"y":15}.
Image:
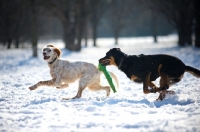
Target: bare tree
{"x":118,"y":14}
{"x":14,"y":21}
{"x":73,"y":15}
{"x":180,"y":14}
{"x":33,"y":28}
{"x":197,"y":22}
{"x":98,"y":8}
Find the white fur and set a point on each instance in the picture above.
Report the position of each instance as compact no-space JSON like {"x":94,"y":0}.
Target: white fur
{"x":64,"y":72}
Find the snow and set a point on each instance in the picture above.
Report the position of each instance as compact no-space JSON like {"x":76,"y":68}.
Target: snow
{"x":127,"y":110}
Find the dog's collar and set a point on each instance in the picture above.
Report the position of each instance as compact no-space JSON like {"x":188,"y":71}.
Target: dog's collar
{"x":52,"y":61}
{"x":121,"y":61}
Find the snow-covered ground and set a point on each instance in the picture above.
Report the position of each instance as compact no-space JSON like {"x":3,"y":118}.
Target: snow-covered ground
{"x":127,"y":110}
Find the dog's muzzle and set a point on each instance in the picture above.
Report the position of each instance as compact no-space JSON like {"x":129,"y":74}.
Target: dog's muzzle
{"x":104,"y":62}
{"x":45,"y":56}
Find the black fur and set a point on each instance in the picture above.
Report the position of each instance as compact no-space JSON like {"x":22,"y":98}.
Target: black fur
{"x":147,"y":68}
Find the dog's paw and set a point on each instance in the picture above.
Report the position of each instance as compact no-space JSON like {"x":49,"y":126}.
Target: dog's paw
{"x":153,"y":90}
{"x":170,"y":92}
{"x":160,"y":97}
{"x":32,"y":88}
{"x":155,"y":87}
{"x":66,"y":98}
{"x":62,"y":86}
{"x":164,"y":88}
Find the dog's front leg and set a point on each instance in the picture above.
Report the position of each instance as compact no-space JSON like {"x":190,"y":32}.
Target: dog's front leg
{"x":43,"y":83}
{"x":58,"y":82}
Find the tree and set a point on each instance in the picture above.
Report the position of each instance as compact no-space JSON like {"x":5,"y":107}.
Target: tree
{"x":98,"y":8}
{"x":117,"y":16}
{"x":197,"y":22}
{"x":180,"y":15}
{"x":14,"y":21}
{"x":73,"y":14}
{"x":33,"y":28}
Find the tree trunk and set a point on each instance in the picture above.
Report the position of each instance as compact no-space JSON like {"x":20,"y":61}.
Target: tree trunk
{"x":188,"y":33}
{"x":116,"y":40}
{"x":197,"y":33}
{"x":33,"y":29}
{"x":181,"y":38}
{"x":116,"y":34}
{"x":154,"y":26}
{"x":197,"y":25}
{"x":9,"y":43}
{"x":181,"y":28}
{"x":17,"y":42}
{"x":86,"y":33}
{"x":185,"y":34}
{"x":94,"y":33}
{"x":80,"y":35}
{"x":94,"y":27}
{"x":69,"y":37}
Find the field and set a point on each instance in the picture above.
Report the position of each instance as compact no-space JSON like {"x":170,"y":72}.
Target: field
{"x":127,"y":110}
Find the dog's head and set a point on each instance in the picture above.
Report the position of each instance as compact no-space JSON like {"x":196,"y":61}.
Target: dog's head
{"x":50,"y":53}
{"x":112,"y":57}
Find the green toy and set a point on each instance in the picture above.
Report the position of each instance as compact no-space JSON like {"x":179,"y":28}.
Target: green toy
{"x":109,"y":79}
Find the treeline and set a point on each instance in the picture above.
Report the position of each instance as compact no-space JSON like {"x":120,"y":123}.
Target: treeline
{"x":30,"y":20}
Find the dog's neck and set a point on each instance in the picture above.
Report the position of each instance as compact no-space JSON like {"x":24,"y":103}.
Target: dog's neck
{"x":121,"y":60}
{"x":51,"y":62}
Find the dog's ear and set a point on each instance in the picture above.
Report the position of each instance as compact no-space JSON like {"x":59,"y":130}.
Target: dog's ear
{"x":116,"y":49}
{"x":57,"y":51}
{"x":119,"y":49}
{"x":50,"y":45}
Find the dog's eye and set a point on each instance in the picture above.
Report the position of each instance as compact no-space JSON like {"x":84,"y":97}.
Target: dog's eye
{"x":49,"y":50}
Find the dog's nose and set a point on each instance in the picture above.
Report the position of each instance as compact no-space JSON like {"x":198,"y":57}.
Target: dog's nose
{"x":44,"y":53}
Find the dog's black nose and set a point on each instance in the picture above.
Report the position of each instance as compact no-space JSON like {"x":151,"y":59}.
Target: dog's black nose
{"x":44,"y":53}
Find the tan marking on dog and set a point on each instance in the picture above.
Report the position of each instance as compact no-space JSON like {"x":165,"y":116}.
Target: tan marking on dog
{"x":133,"y":77}
{"x":112,"y":61}
{"x":159,"y":67}
{"x":152,"y":85}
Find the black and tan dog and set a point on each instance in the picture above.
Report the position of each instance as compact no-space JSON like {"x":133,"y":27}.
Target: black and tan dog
{"x":147,"y":68}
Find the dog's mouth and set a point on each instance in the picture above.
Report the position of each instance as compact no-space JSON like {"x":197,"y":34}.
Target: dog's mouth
{"x":46,"y":57}
{"x":104,"y":62}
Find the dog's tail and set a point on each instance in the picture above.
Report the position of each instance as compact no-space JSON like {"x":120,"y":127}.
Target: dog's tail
{"x":193,"y":71}
{"x":114,"y":77}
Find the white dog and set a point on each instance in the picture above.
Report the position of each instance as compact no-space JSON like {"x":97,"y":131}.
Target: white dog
{"x":64,"y":72}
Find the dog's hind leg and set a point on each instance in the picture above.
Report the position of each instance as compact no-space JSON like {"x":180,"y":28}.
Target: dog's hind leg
{"x":164,"y":84}
{"x":147,"y":82}
{"x":79,"y":94}
{"x":163,"y":94}
{"x":97,"y":87}
{"x":84,"y":81}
